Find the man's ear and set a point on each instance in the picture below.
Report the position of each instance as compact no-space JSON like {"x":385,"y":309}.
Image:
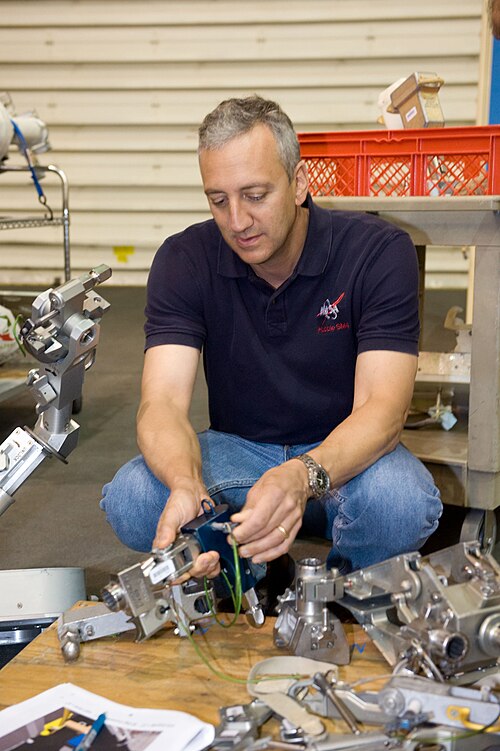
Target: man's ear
{"x":301,"y":182}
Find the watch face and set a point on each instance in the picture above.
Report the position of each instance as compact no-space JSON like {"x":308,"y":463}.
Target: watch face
{"x":322,"y":481}
{"x":319,"y":482}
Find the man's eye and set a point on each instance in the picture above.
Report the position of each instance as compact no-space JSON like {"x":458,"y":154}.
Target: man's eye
{"x":255,"y":196}
{"x":217,"y":201}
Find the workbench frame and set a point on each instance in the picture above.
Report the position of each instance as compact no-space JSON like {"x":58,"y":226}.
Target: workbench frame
{"x":468,"y":473}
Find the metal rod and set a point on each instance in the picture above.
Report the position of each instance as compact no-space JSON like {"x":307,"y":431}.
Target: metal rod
{"x":322,"y":684}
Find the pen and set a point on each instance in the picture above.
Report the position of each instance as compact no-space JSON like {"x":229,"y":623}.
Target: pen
{"x":89,"y":737}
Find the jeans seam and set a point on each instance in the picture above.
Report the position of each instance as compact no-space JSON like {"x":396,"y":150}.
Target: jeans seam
{"x":339,"y":517}
{"x":231,"y":484}
{"x":336,"y":495}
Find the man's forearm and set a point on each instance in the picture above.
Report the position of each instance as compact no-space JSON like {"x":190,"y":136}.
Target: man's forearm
{"x":169,"y":445}
{"x":366,"y":435}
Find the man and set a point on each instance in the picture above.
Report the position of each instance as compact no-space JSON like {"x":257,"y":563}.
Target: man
{"x":494,"y":17}
{"x":308,"y":324}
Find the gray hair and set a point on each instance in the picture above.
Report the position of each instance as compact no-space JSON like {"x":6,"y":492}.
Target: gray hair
{"x":234,"y":117}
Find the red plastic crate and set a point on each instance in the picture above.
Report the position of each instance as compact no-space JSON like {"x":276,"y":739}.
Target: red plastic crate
{"x":419,"y":162}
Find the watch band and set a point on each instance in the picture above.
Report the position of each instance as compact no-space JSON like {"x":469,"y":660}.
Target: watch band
{"x":319,"y":481}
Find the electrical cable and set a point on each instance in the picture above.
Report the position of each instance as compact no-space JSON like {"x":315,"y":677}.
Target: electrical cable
{"x":236,"y":596}
{"x":25,"y":150}
{"x":17,"y":321}
{"x":219,"y":673}
{"x":18,"y":341}
{"x":434,"y":741}
{"x":236,"y":593}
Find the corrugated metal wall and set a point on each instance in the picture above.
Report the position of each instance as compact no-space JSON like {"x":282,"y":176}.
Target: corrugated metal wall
{"x":123,"y":85}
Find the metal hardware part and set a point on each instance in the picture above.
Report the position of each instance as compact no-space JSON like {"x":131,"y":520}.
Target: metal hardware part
{"x":145,"y":597}
{"x":322,"y":684}
{"x":62,"y":334}
{"x":239,"y":725}
{"x":403,"y":695}
{"x":305,"y":625}
{"x":206,"y":529}
{"x":403,"y":702}
{"x":134,"y":607}
{"x":437,"y":616}
{"x":363,"y":705}
{"x":85,"y":624}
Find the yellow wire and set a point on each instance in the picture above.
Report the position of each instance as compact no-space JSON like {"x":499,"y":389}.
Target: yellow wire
{"x":459,"y":736}
{"x":463,"y":714}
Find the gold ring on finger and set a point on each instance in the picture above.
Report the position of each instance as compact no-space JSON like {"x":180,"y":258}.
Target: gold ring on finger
{"x":283,"y":531}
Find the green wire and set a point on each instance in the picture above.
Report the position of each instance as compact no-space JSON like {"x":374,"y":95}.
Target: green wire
{"x":236,"y":597}
{"x":206,"y":661}
{"x":236,"y":593}
{"x":18,"y":341}
{"x":232,"y":678}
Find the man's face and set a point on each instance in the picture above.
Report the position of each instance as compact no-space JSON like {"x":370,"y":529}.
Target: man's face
{"x":495,"y":18}
{"x":250,"y":196}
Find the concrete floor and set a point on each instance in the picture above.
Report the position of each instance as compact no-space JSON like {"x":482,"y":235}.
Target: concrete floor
{"x":56,"y":520}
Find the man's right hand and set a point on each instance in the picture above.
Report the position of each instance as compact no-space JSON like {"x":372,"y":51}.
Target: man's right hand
{"x":179,"y":510}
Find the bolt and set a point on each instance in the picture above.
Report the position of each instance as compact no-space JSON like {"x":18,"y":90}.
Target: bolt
{"x":89,"y":630}
{"x":389,"y":702}
{"x":487,"y":590}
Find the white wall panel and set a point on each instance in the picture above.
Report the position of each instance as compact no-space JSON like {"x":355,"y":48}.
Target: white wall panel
{"x":207,"y":12}
{"x":160,"y":107}
{"x":140,"y":76}
{"x":235,"y":43}
{"x":123,"y":85}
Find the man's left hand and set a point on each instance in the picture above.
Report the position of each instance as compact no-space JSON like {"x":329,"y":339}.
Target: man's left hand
{"x":272,"y":514}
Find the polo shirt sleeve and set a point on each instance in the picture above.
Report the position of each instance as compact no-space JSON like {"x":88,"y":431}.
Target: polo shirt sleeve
{"x":174,"y":307}
{"x":389,"y":309}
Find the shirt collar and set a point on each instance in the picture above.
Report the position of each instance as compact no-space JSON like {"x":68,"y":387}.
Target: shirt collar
{"x":313,"y":259}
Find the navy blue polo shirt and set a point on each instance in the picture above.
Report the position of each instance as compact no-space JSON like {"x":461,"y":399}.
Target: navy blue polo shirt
{"x":280,"y":364}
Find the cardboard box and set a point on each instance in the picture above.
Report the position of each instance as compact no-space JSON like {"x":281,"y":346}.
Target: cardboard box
{"x":417,"y":101}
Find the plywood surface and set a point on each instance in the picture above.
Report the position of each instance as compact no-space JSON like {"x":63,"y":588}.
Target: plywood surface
{"x":165,"y":671}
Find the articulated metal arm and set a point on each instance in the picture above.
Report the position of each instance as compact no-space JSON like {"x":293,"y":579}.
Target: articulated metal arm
{"x":62,"y":334}
{"x":416,"y":714}
{"x":437,"y":616}
{"x":144,"y":597}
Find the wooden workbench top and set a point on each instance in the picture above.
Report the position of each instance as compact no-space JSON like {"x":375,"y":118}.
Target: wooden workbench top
{"x":165,"y":672}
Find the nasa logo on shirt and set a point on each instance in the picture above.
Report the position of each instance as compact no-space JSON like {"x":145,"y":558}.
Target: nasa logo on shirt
{"x":328,"y":315}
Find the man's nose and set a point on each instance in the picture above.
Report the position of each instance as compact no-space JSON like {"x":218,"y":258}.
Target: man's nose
{"x":239,"y":217}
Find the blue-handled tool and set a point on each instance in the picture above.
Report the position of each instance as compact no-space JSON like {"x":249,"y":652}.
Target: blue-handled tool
{"x":90,"y":737}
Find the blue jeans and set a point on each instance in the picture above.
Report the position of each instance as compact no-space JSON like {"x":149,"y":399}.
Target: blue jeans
{"x":390,"y":508}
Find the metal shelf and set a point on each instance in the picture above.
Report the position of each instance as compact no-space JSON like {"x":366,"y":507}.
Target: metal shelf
{"x":29,"y":222}
{"x":60,"y":219}
{"x":465,"y":465}
{"x":12,"y":379}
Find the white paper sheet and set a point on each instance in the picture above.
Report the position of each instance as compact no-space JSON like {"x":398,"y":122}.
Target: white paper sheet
{"x":126,"y":727}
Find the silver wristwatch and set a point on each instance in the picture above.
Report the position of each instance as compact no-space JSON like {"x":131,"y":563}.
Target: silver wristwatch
{"x":319,"y":482}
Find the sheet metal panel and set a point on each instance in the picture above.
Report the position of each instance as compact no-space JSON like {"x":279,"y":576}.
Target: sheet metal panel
{"x":124,"y":84}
